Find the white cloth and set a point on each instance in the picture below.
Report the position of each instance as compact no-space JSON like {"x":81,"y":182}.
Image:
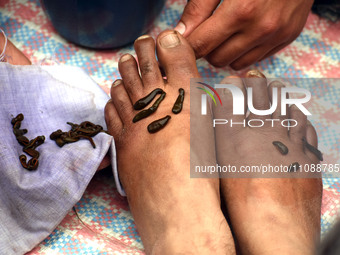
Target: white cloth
{"x":33,"y":203}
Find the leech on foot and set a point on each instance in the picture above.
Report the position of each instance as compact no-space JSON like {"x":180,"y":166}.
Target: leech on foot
{"x":145,"y":113}
{"x":157,"y":125}
{"x":281,"y":147}
{"x":177,"y":108}
{"x":294,"y":167}
{"x":312,"y":149}
{"x":143,"y":102}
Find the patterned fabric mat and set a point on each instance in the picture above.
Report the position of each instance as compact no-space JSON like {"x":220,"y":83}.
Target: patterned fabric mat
{"x":101,"y":222}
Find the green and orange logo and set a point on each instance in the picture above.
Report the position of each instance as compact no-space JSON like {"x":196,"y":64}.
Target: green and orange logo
{"x":211,"y":92}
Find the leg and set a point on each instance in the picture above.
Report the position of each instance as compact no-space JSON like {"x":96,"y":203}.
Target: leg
{"x":174,"y":213}
{"x":13,"y":55}
{"x":269,"y":216}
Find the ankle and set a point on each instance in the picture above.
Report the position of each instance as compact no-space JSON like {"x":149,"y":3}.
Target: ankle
{"x":188,"y":243}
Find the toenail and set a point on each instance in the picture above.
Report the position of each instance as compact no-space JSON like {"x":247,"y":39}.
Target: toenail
{"x":116,"y":83}
{"x":180,"y":28}
{"x":170,"y":40}
{"x":143,"y":37}
{"x":126,"y":57}
{"x":255,"y":73}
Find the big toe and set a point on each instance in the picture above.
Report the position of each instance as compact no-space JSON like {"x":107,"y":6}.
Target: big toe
{"x":176,"y":57}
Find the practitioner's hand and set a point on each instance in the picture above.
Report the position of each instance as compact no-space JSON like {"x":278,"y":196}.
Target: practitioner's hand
{"x":239,"y":33}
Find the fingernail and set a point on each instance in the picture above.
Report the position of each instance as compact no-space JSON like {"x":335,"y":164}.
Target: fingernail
{"x":170,"y":40}
{"x":143,"y":37}
{"x":116,"y":83}
{"x":108,"y":102}
{"x":180,"y":28}
{"x":255,"y":73}
{"x":125,"y":57}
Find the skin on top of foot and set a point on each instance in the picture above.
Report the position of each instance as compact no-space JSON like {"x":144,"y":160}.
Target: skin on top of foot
{"x":268,"y":215}
{"x":174,"y":214}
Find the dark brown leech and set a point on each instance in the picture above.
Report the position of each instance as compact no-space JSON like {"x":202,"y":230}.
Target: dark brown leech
{"x":88,"y":138}
{"x":19,"y":117}
{"x":177,"y":108}
{"x":312,"y":149}
{"x":34,"y":143}
{"x":157,"y":125}
{"x":294,"y":167}
{"x":84,"y":130}
{"x":33,"y":153}
{"x":29,"y":145}
{"x":23,"y":140}
{"x":143,"y":102}
{"x":32,"y":164}
{"x":19,"y":132}
{"x":281,"y":147}
{"x":146,"y":113}
{"x":22,"y":159}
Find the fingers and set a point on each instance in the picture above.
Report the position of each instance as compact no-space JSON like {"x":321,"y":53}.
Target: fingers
{"x":275,"y":50}
{"x":214,"y":30}
{"x":195,"y":12}
{"x":251,"y":57}
{"x":232,"y":49}
{"x":239,"y":33}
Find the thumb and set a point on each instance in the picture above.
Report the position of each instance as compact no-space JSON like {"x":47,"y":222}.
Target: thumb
{"x":195,"y":12}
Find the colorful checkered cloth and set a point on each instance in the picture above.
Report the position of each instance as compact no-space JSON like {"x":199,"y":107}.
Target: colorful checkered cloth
{"x":106,"y":225}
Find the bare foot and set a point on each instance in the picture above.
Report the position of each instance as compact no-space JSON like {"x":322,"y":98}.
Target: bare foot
{"x":268,"y":215}
{"x":12,"y":54}
{"x":174,"y":213}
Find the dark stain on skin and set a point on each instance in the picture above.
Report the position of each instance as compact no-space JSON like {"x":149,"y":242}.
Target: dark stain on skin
{"x":312,"y":149}
{"x":177,"y":108}
{"x":281,"y":147}
{"x":294,"y":167}
{"x":143,"y":102}
{"x":157,"y":125}
{"x":146,"y":113}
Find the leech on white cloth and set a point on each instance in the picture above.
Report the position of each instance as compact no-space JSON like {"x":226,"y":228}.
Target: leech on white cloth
{"x":32,"y":204}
